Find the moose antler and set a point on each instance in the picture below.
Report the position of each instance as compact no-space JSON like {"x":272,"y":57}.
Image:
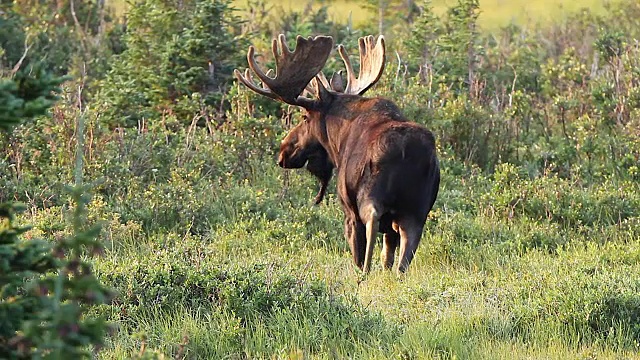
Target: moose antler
{"x":294,"y":69}
{"x":371,"y":65}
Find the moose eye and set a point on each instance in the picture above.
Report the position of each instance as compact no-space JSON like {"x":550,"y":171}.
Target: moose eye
{"x":305,"y":117}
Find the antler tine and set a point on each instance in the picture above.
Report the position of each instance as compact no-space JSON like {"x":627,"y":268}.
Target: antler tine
{"x":320,"y":85}
{"x":294,"y":69}
{"x":247,"y":80}
{"x":371,"y":65}
{"x":351,"y":77}
{"x":282,"y":42}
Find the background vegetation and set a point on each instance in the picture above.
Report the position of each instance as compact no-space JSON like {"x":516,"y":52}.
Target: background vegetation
{"x":495,"y":13}
{"x":212,"y":251}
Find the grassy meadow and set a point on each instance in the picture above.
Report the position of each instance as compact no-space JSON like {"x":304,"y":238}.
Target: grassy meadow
{"x":213,"y":252}
{"x":273,"y":278}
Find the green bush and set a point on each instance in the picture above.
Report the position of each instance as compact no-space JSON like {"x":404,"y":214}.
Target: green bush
{"x":173,"y":51}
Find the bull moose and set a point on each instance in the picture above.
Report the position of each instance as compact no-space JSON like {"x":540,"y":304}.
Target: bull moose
{"x":388,"y":172}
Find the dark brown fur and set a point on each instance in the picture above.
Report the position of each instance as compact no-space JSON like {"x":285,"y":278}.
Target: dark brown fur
{"x":388,"y":172}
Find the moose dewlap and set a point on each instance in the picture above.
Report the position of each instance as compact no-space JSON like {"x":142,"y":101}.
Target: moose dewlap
{"x":388,"y":174}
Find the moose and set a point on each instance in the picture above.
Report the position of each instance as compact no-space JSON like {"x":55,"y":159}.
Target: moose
{"x":388,"y":173}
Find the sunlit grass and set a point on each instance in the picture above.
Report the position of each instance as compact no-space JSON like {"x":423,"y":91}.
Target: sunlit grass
{"x":494,"y":13}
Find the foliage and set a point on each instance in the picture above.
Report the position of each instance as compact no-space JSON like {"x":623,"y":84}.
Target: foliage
{"x":20,"y":261}
{"x":176,"y":54}
{"x":45,"y":289}
{"x":511,"y":98}
{"x":27,"y":94}
{"x":12,"y":38}
{"x":59,"y":35}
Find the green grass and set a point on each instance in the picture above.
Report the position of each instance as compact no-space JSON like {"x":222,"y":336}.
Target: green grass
{"x":496,"y":13}
{"x":274,"y":279}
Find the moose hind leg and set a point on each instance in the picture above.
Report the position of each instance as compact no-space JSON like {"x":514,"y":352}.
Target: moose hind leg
{"x":354,"y":232}
{"x":390,"y":243}
{"x":372,"y":225}
{"x":410,"y":233}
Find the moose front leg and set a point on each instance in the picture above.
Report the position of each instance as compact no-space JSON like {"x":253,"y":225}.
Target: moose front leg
{"x":320,"y":166}
{"x":321,"y":192}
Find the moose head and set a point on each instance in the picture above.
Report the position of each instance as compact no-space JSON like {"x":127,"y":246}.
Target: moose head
{"x":298,"y":149}
{"x":388,"y":172}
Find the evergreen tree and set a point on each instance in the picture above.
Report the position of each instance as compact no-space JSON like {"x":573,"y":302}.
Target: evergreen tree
{"x":45,"y":288}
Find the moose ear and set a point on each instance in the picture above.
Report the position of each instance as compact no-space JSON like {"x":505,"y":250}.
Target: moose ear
{"x":337,"y":82}
{"x":320,"y":90}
